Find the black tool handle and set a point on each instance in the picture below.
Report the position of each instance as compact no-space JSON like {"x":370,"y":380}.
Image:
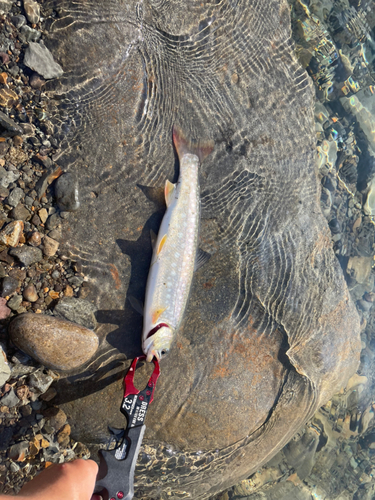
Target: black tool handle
{"x":120,"y":462}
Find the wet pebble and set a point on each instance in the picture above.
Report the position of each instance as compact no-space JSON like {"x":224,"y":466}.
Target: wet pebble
{"x":19,"y":451}
{"x":18,"y":21}
{"x":334,"y":226}
{"x":66,"y":191}
{"x":27,"y":255}
{"x":7,"y":177}
{"x":32,"y":11}
{"x":8,"y":286}
{"x":39,"y":59}
{"x":55,"y":417}
{"x":15,"y":302}
{"x":10,"y":399}
{"x":20,"y":212}
{"x":56,"y":234}
{"x":11,"y":234}
{"x":49,"y":394}
{"x":37,"y":82}
{"x":28,"y":34}
{"x":50,"y":246}
{"x":54,"y":342}
{"x":4,"y":309}
{"x":43,"y":215}
{"x":63,"y":436}
{"x":9,"y":124}
{"x":4,"y":368}
{"x":53,"y":221}
{"x":34,"y":239}
{"x":40,"y":381}
{"x":30,"y":294}
{"x":15,"y":197}
{"x":77,"y":310}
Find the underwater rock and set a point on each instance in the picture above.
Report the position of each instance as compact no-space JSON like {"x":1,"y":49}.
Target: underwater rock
{"x":55,"y":343}
{"x":270,"y":328}
{"x":360,"y":268}
{"x":363,"y":108}
{"x":39,"y":58}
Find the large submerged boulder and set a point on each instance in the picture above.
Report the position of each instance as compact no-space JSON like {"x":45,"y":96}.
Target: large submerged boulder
{"x":270,"y":332}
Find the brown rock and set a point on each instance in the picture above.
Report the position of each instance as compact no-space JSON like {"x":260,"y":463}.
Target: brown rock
{"x":63,"y":433}
{"x":50,"y":246}
{"x":34,"y":447}
{"x":18,"y":274}
{"x":44,"y":443}
{"x":3,"y":78}
{"x":17,"y":140}
{"x":68,"y":292}
{"x":30,"y":294}
{"x":56,"y":417}
{"x":35,"y":239}
{"x":4,"y":57}
{"x":10,"y":236}
{"x":37,"y":81}
{"x":55,"y":343}
{"x":8,"y":98}
{"x":43,"y":215}
{"x":48,"y":395}
{"x":4,"y":310}
{"x":22,"y":392}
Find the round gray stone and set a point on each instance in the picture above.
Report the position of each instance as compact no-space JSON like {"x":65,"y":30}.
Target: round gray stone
{"x":66,"y":191}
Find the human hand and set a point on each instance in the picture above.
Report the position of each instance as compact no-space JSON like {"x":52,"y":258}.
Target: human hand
{"x":69,"y":481}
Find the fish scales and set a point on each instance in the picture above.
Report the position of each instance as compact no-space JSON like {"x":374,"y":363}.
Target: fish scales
{"x":173,"y":260}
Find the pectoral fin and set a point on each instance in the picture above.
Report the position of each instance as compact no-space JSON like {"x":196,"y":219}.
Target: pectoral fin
{"x":153,"y":237}
{"x":169,"y":192}
{"x":201,"y":258}
{"x":136,"y":304}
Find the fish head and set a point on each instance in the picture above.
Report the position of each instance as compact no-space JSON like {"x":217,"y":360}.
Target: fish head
{"x":159,"y":343}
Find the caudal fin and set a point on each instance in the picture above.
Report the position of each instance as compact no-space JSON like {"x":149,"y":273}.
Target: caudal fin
{"x":184,"y":146}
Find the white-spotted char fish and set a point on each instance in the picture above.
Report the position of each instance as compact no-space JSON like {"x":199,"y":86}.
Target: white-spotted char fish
{"x":173,"y":261}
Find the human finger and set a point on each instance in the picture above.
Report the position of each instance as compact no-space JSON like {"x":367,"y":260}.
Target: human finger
{"x":73,"y":480}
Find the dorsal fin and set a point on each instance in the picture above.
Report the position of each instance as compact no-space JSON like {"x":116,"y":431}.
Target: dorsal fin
{"x":169,"y":192}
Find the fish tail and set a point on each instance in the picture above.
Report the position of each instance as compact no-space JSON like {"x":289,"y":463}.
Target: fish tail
{"x":184,"y":146}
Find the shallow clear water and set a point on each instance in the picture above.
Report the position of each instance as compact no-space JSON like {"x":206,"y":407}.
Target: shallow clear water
{"x":333,"y":457}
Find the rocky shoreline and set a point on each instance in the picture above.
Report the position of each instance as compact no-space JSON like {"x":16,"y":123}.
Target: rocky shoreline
{"x":35,"y":278}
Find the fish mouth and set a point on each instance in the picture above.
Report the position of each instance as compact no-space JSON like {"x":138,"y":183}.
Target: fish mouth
{"x":155,"y":329}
